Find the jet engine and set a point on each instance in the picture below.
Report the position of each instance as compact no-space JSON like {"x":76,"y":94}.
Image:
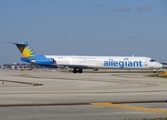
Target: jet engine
{"x":47,"y":61}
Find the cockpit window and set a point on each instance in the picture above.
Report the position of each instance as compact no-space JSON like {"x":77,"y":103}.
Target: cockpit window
{"x":152,"y":60}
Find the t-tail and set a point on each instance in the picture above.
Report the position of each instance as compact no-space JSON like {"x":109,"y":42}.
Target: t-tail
{"x":24,"y":49}
{"x":29,"y":55}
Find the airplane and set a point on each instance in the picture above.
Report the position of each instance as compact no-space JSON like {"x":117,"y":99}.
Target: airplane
{"x":78,"y":63}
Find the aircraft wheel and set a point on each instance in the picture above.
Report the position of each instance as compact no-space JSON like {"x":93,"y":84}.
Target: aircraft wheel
{"x":80,"y":71}
{"x":75,"y":71}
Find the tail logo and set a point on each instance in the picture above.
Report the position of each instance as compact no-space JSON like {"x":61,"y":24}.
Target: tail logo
{"x":26,"y":51}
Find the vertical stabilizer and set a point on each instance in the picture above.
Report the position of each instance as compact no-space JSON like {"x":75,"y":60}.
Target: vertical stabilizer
{"x":25,"y":49}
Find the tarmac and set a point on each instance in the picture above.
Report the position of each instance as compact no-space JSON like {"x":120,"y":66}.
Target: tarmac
{"x":46,"y":95}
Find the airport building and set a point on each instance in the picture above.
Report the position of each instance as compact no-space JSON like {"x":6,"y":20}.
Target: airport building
{"x":17,"y":66}
{"x":164,"y":65}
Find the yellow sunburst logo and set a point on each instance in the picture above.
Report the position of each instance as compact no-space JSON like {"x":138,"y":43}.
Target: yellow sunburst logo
{"x":26,"y":51}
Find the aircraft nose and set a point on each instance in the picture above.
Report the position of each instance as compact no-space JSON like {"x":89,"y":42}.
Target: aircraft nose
{"x":159,"y":65}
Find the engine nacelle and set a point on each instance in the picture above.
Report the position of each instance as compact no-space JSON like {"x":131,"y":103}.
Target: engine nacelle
{"x":47,"y":61}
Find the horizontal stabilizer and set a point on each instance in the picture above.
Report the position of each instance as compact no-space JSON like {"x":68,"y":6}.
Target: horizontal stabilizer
{"x":18,"y":43}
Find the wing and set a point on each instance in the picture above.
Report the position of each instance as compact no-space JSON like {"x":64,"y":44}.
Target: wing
{"x":76,"y":66}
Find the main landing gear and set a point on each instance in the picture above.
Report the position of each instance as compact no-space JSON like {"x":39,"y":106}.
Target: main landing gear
{"x":77,"y":70}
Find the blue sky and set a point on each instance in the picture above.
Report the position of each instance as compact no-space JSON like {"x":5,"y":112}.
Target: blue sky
{"x":84,"y":27}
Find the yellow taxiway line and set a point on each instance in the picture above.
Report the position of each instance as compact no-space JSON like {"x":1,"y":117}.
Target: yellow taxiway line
{"x":129,"y":107}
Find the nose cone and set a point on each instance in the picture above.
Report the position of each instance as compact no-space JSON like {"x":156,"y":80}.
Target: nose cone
{"x":158,"y":65}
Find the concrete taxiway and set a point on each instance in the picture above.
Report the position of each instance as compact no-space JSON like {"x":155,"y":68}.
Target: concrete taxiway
{"x":62,"y":95}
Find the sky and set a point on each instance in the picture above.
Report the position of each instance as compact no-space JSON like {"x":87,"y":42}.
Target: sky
{"x":84,"y":27}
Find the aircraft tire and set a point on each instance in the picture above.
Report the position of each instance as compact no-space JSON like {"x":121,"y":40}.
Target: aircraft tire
{"x":80,"y":71}
{"x":75,"y":71}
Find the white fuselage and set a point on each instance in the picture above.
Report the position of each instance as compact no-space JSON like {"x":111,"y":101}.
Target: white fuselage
{"x":106,"y":62}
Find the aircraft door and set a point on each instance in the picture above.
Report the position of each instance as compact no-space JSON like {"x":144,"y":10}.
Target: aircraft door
{"x":146,"y":63}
